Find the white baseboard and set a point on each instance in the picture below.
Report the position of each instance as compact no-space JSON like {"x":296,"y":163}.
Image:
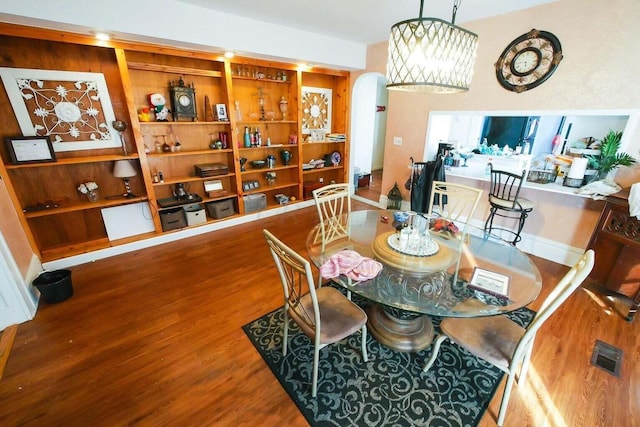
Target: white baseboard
{"x":544,"y":248}
{"x":531,"y":244}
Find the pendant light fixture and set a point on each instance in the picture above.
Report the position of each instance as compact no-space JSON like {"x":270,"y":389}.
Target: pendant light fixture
{"x":431,"y":55}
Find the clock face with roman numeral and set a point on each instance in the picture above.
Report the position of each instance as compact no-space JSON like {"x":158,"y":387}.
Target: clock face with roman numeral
{"x":183,"y":101}
{"x":528,"y":61}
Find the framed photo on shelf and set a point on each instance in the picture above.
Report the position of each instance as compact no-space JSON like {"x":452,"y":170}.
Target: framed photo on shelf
{"x":221,"y":112}
{"x":293,"y":139}
{"x":30,"y":149}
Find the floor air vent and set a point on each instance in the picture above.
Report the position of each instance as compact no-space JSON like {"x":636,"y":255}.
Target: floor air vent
{"x":607,"y":357}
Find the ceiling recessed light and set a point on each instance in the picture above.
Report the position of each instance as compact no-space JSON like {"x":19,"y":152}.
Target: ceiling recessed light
{"x":229,"y":54}
{"x":102,"y":36}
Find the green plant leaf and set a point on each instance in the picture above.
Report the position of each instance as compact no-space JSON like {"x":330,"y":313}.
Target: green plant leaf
{"x":609,"y":157}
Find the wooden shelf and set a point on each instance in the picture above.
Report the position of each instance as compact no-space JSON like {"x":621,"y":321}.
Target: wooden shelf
{"x":74,"y":206}
{"x":216,"y":199}
{"x":266,"y":122}
{"x":255,"y":79}
{"x":190,"y":178}
{"x":203,"y":201}
{"x":185,"y":123}
{"x":190,"y":153}
{"x":319,"y":170}
{"x":276,"y":168}
{"x":270,"y":188}
{"x":292,"y":147}
{"x":321,"y":142}
{"x":173,"y":70}
{"x":75,"y":161}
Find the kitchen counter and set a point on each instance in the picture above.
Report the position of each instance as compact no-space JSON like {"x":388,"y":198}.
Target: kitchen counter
{"x":476,"y":171}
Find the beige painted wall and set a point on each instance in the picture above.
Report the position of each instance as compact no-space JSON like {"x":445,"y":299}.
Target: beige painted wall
{"x":601,"y":59}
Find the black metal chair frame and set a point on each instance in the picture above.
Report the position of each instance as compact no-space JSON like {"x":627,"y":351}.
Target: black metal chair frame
{"x":504,"y":192}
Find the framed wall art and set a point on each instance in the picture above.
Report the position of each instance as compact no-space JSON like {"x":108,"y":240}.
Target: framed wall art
{"x":72,"y":108}
{"x":30,"y":149}
{"x":316,"y":109}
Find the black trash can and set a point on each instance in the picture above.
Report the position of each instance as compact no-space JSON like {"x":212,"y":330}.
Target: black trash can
{"x":54,"y":286}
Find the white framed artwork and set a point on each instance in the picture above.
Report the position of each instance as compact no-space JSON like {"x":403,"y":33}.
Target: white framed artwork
{"x":316,"y":109}
{"x":72,"y":108}
{"x":221,"y":112}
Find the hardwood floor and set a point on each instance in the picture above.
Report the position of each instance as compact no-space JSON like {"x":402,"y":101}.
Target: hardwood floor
{"x":154,"y":338}
{"x":372,"y":191}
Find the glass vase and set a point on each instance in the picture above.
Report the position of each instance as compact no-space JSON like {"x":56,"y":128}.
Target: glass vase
{"x":92,"y":196}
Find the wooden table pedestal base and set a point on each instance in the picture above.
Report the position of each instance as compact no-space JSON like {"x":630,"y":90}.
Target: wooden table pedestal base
{"x":411,"y":333}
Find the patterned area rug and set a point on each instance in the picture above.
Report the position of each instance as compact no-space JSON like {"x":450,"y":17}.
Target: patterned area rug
{"x":388,"y":390}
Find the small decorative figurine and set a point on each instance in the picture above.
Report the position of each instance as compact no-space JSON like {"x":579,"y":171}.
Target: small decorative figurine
{"x":158,"y":102}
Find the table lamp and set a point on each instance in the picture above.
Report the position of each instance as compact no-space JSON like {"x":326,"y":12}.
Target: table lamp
{"x":123,"y":169}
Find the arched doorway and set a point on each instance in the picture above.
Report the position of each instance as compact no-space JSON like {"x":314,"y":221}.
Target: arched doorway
{"x":368,"y":128}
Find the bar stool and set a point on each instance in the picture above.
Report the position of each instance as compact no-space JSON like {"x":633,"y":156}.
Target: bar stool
{"x":505,"y":202}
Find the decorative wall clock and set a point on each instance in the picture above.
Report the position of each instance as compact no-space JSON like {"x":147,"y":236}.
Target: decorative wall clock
{"x":528,"y":61}
{"x":73,"y":108}
{"x":183,"y":101}
{"x":316,"y":109}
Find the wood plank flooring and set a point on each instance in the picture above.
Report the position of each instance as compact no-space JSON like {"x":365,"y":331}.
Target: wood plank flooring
{"x":154,"y":338}
{"x":372,"y":191}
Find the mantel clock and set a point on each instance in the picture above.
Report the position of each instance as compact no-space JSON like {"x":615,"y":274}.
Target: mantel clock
{"x":183,"y":101}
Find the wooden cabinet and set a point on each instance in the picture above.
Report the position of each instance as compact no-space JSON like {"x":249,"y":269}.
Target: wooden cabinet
{"x":263,"y":99}
{"x":59,"y":218}
{"x":257,"y":95}
{"x":616,"y":241}
{"x":324,"y":150}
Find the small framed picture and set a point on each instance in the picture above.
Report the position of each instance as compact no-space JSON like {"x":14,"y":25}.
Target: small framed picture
{"x":293,"y":139}
{"x":30,"y":149}
{"x":221,"y":112}
{"x":317,"y":135}
{"x":490,"y":282}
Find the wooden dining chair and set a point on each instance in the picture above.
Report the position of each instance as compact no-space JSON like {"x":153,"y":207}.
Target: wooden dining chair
{"x":505,"y":201}
{"x":502,"y":342}
{"x":325,"y":315}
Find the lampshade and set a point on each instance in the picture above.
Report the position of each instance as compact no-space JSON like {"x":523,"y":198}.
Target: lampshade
{"x":431,"y":55}
{"x":123,"y":169}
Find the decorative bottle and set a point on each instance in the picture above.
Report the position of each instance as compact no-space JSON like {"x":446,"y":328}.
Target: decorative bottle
{"x":247,"y":137}
{"x":487,"y":168}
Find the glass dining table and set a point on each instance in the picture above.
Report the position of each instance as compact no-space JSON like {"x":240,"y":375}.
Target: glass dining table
{"x":414,"y":285}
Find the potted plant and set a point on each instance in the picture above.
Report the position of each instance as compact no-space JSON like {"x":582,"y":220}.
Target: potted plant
{"x":609,"y":158}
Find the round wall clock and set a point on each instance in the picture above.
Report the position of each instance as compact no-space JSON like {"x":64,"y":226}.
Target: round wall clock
{"x":528,"y":61}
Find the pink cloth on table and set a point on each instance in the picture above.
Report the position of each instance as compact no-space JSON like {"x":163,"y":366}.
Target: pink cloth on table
{"x":351,"y":264}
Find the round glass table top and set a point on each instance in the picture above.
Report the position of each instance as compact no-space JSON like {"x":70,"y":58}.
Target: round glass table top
{"x":425,"y":284}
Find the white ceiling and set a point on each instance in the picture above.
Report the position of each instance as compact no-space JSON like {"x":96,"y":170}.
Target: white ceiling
{"x":361,"y":21}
